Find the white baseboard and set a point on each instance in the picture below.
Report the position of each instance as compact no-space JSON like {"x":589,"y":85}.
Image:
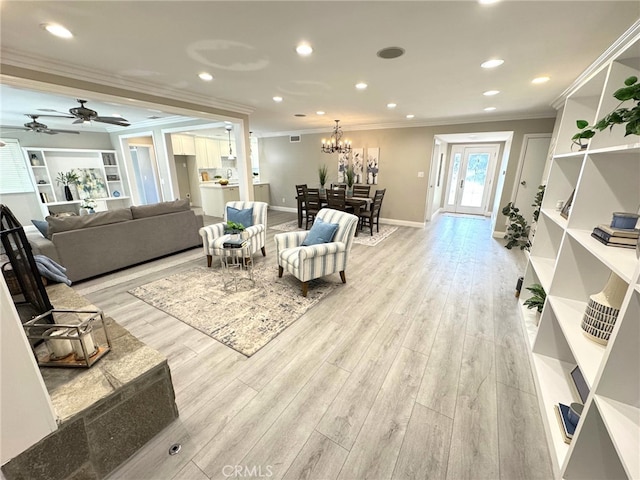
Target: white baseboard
{"x":283,"y":209}
{"x":402,"y":223}
{"x":389,"y":221}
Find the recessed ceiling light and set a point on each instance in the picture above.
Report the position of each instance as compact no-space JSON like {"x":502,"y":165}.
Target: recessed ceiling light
{"x":390,"y":52}
{"x":496,"y":62}
{"x":361,"y":86}
{"x":540,"y":80}
{"x":489,"y":109}
{"x":391,"y":105}
{"x":277,"y":99}
{"x":304,"y":49}
{"x":57,"y":30}
{"x":410,"y":116}
{"x":207,"y":77}
{"x":319,"y":112}
{"x":491,"y":93}
{"x":487,"y":2}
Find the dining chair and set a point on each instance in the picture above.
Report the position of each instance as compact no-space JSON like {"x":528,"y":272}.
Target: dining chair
{"x":313,"y":203}
{"x":372,"y":216}
{"x":337,"y":199}
{"x":300,"y":194}
{"x":361,"y":190}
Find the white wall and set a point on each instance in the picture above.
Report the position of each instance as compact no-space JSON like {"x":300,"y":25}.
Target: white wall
{"x":26,"y":414}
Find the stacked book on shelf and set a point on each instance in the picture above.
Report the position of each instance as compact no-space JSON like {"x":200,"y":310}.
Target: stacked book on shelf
{"x":567,"y":429}
{"x":616,"y":237}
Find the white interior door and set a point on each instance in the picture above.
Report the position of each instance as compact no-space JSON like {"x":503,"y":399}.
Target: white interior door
{"x":471,"y":178}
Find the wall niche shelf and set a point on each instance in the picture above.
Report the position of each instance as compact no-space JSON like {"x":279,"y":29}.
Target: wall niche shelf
{"x":571,"y":266}
{"x":103,"y":165}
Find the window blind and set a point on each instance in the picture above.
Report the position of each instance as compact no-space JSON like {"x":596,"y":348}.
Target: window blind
{"x":14,"y":173}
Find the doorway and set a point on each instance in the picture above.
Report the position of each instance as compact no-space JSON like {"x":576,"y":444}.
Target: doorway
{"x":145,"y":174}
{"x":470,"y":178}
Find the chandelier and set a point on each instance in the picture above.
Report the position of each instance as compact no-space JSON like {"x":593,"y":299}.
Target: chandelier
{"x":229,"y":128}
{"x":335,"y":144}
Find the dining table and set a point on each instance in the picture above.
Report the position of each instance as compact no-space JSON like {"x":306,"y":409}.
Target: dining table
{"x":358,"y":203}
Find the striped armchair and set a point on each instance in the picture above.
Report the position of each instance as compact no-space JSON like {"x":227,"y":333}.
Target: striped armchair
{"x":213,"y":235}
{"x":315,"y":261}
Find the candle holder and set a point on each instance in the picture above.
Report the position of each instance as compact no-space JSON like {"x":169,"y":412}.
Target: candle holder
{"x":71,"y":342}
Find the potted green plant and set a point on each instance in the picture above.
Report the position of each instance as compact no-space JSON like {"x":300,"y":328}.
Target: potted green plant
{"x":323,"y":171}
{"x":517,"y":229}
{"x":621,"y":115}
{"x":349,"y":178}
{"x":233,"y":228}
{"x":537,"y":300}
{"x":66,"y":179}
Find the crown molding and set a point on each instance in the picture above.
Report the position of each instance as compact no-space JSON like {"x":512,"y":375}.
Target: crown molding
{"x":29,"y":61}
{"x":623,"y":42}
{"x":415,"y":124}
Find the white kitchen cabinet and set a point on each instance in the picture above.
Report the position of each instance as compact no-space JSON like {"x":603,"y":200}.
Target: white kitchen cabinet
{"x":215,"y":197}
{"x":571,"y":265}
{"x":207,"y":153}
{"x":183,"y":144}
{"x":261,"y":192}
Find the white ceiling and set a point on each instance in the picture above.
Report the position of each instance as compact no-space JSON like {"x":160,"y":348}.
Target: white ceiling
{"x":159,"y":47}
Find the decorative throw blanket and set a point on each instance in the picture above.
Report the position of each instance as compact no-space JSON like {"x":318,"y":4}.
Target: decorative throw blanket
{"x":51,"y":270}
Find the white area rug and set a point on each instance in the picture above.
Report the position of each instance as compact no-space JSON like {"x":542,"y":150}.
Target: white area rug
{"x":363,"y":237}
{"x":245,"y":320}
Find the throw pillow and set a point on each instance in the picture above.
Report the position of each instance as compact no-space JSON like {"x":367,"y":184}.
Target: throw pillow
{"x":42,"y":226}
{"x":244,"y":217}
{"x":321,"y":232}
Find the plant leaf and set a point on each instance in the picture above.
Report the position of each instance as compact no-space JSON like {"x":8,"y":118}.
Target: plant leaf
{"x":631,"y":80}
{"x":582,"y":123}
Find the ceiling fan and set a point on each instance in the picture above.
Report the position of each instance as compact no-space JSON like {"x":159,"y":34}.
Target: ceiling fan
{"x":35,"y":126}
{"x":84,"y":114}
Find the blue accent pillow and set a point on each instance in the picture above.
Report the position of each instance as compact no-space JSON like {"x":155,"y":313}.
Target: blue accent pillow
{"x":321,"y":232}
{"x":243,"y":217}
{"x":42,"y":226}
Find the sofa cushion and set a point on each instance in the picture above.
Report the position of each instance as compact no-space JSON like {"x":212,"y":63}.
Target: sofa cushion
{"x":143,"y":211}
{"x":64,"y":224}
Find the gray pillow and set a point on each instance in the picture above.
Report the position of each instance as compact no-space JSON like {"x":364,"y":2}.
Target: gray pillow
{"x":42,"y":226}
{"x":162,"y":208}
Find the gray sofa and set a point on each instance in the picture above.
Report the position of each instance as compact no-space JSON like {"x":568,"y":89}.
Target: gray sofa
{"x":95,"y":244}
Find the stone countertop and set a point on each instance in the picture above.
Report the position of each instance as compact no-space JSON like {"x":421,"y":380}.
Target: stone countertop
{"x":73,"y":390}
{"x":212,"y":184}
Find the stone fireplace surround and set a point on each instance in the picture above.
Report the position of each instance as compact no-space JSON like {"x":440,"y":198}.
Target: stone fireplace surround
{"x":105,"y":413}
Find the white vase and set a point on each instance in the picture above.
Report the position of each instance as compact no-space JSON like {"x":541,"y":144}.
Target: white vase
{"x":603,"y":309}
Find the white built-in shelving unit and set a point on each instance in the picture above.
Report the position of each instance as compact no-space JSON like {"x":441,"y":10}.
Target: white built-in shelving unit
{"x":46,"y":163}
{"x":571,"y":266}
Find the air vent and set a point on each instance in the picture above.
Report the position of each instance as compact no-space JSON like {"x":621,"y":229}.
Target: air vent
{"x":294,"y":138}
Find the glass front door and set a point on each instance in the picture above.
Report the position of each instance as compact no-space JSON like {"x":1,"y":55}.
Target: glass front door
{"x":471,"y":178}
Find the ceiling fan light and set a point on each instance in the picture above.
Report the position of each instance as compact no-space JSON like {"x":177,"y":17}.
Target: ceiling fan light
{"x":57,"y":30}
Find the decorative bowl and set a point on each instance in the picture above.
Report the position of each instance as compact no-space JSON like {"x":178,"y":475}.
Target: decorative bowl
{"x":222,"y":181}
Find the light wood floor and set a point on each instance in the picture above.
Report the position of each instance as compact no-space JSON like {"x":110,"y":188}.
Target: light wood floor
{"x":416,"y":368}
